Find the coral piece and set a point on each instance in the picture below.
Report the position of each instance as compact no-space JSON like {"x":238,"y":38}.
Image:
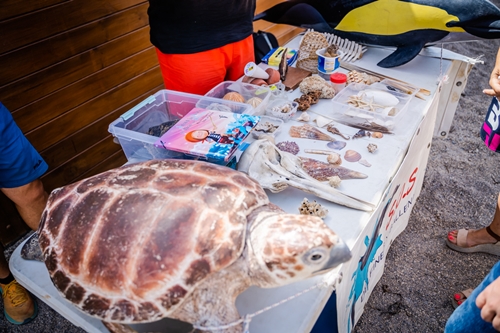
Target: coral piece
{"x":306,"y":100}
{"x":312,"y":208}
{"x":334,"y":181}
{"x":289,"y":146}
{"x":309,"y":132}
{"x":317,"y":83}
{"x":372,"y":147}
{"x":234,"y":96}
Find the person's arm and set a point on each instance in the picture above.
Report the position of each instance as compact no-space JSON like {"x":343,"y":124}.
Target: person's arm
{"x":494,"y":79}
{"x":489,"y":303}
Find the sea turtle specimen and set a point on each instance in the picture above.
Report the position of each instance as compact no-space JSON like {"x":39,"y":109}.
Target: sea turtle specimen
{"x":176,"y":238}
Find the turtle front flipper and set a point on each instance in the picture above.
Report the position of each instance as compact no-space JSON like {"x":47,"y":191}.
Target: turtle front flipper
{"x":31,"y":249}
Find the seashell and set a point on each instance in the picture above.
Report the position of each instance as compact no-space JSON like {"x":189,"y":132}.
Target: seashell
{"x":364,"y":162}
{"x":304,"y":117}
{"x":361,"y":133}
{"x":337,"y":145}
{"x":379,"y":97}
{"x":377,"y":135}
{"x":288,"y":146}
{"x":308,"y":132}
{"x":312,"y":208}
{"x":254,"y":101}
{"x":352,"y":156}
{"x":372,"y":147}
{"x":322,"y":171}
{"x":361,"y":77}
{"x":322,"y":121}
{"x":334,"y":181}
{"x":234,"y":96}
{"x":274,"y":76}
{"x":334,"y":159}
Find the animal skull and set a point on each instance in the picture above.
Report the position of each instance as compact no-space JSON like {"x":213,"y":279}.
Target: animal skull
{"x":275,"y":170}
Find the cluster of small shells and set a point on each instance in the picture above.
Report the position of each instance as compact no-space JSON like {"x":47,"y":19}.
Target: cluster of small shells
{"x":331,"y":51}
{"x":317,"y":83}
{"x":360,"y":77}
{"x":283,"y":108}
{"x":266,"y":127}
{"x":312,"y":208}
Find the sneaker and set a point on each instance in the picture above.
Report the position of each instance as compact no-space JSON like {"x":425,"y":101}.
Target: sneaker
{"x":19,"y":307}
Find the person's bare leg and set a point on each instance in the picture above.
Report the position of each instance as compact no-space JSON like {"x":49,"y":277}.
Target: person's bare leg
{"x":30,"y":201}
{"x":481,"y":236}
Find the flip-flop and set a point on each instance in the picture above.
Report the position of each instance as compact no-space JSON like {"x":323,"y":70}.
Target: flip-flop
{"x":460,"y":297}
{"x":461,"y":245}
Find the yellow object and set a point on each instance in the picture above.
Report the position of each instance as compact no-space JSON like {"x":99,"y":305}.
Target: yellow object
{"x":18,"y":306}
{"x":275,"y":59}
{"x":392,"y":17}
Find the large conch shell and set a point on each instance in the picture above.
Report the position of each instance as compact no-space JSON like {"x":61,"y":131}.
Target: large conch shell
{"x":275,"y":170}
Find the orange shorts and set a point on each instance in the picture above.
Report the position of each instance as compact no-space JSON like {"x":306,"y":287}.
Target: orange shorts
{"x":199,"y":72}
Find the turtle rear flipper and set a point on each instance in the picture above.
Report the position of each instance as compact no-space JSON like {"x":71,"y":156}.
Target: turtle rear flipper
{"x":31,"y":249}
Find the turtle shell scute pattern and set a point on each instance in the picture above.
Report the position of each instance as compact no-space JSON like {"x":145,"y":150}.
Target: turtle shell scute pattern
{"x":131,"y":244}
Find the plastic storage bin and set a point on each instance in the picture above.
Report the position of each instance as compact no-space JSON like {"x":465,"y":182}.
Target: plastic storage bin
{"x":131,"y":129}
{"x":395,"y":101}
{"x":247,"y":90}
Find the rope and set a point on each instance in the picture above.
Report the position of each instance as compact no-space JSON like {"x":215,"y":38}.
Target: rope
{"x":248,"y":318}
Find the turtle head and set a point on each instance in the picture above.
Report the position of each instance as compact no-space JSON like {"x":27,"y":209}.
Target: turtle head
{"x":287,"y":248}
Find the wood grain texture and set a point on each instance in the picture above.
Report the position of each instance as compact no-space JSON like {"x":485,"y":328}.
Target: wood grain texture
{"x":51,"y":106}
{"x":68,"y":15}
{"x":12,"y":8}
{"x":52,"y":78}
{"x":83,"y":115}
{"x":50,"y":51}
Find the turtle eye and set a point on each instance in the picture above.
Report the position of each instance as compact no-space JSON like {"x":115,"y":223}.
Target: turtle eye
{"x":316,"y":257}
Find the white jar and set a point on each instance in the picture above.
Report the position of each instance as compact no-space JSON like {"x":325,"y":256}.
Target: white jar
{"x":338,"y":81}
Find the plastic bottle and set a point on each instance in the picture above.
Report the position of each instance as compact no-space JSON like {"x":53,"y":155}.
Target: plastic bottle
{"x":338,"y":81}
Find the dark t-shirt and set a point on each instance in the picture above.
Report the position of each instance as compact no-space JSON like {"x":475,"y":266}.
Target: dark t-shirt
{"x":189,"y":26}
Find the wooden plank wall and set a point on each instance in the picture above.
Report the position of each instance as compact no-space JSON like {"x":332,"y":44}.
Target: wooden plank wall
{"x":68,"y":69}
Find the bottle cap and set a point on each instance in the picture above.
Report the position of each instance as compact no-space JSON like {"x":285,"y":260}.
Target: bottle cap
{"x":338,"y":78}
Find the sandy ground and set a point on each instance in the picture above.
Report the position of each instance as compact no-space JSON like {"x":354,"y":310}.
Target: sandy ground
{"x":421,"y":274}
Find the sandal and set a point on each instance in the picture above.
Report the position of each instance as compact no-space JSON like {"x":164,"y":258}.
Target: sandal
{"x":460,"y":297}
{"x":461,"y":245}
